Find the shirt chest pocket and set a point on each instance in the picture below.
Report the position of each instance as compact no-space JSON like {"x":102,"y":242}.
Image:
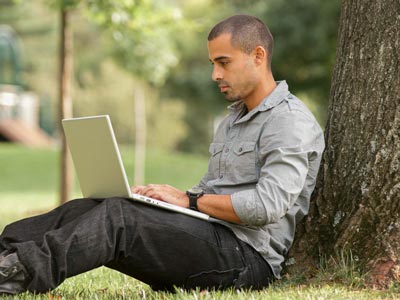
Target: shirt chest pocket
{"x":242,"y":166}
{"x":233,"y":164}
{"x":215,"y":158}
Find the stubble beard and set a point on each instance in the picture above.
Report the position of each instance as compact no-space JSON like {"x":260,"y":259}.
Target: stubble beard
{"x":232,"y":98}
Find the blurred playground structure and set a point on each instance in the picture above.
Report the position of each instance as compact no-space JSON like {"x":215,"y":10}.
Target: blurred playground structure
{"x":19,"y":108}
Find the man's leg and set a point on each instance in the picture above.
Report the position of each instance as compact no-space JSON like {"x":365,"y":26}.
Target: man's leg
{"x":156,"y":246}
{"x":177,"y":250}
{"x":13,"y":275}
{"x":34,"y":228}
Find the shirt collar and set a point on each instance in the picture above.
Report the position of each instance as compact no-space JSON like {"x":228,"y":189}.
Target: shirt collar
{"x":279,"y":94}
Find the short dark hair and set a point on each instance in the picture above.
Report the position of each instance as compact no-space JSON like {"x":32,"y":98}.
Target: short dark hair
{"x":247,"y":33}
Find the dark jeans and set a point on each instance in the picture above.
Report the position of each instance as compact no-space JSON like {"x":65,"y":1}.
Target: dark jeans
{"x":161,"y":248}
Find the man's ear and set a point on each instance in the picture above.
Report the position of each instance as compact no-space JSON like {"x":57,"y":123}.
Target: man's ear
{"x":260,"y":55}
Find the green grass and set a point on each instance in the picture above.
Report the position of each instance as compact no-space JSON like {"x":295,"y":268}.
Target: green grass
{"x":29,"y":185}
{"x":105,"y":284}
{"x":29,"y":178}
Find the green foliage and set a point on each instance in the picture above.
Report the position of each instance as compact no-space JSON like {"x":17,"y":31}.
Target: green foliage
{"x":191,"y":79}
{"x":63,"y":4}
{"x":163,"y":43}
{"x":35,"y":25}
{"x":13,"y":15}
{"x":305,"y":37}
{"x":10,"y":57}
{"x":305,"y":42}
{"x":100,"y":86}
{"x":142,"y":33}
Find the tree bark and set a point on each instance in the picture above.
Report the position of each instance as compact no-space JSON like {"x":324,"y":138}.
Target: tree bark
{"x":65,"y":105}
{"x":356,"y":204}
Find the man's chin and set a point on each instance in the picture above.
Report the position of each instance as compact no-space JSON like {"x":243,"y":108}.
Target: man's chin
{"x":233,"y":100}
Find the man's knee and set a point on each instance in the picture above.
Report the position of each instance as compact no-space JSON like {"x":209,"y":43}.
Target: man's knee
{"x":116,"y":203}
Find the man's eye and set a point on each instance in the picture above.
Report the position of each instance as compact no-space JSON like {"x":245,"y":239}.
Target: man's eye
{"x":224,"y":63}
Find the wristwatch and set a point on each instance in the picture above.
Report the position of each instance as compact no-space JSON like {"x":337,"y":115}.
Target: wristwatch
{"x":194,"y":194}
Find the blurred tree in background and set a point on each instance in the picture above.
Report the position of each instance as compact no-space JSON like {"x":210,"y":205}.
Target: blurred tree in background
{"x":305,"y":36}
{"x":116,"y":43}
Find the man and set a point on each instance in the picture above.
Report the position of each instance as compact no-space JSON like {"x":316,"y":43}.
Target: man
{"x":264,"y":161}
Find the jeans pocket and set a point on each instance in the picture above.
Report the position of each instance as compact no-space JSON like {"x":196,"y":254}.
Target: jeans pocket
{"x":215,"y":279}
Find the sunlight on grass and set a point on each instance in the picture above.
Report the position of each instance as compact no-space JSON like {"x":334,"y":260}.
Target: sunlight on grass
{"x":15,"y":205}
{"x":103,"y":283}
{"x":29,"y":186}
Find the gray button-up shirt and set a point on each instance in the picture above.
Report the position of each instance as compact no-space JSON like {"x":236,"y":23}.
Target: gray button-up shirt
{"x":267,"y":160}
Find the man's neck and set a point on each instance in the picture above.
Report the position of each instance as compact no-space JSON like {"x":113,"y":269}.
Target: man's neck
{"x":265,"y":88}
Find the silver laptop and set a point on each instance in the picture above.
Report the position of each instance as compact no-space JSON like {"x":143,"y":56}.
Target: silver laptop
{"x":99,"y":166}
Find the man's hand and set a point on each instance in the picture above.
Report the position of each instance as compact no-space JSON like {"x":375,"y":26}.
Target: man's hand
{"x":218,"y":206}
{"x":164,"y":193}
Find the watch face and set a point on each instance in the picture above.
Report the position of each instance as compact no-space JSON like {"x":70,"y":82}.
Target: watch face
{"x":195,"y":191}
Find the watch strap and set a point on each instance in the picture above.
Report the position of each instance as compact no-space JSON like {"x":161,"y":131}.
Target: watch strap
{"x":193,"y":197}
{"x":193,"y":202}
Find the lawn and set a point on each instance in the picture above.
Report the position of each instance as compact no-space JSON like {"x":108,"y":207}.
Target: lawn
{"x":29,"y":179}
{"x":29,"y":185}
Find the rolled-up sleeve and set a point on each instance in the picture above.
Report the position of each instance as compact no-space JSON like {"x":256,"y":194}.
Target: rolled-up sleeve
{"x":285,"y":145}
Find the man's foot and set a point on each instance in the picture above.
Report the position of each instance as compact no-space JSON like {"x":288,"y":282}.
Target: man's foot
{"x":13,"y":276}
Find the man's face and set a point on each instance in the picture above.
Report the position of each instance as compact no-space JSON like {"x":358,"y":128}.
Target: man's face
{"x":234,"y":71}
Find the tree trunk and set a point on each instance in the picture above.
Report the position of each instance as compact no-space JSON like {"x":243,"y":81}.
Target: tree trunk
{"x":140,"y":136}
{"x":65,"y":105}
{"x":356,"y":204}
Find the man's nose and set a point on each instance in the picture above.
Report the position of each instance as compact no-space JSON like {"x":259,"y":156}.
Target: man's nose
{"x":217,"y":73}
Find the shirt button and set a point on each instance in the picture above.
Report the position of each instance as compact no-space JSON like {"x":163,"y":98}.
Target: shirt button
{"x":226,"y":150}
{"x":240,"y":149}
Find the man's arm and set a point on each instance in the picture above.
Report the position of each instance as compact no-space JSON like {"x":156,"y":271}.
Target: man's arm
{"x":285,"y":147}
{"x":289,"y":144}
{"x":217,"y":206}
